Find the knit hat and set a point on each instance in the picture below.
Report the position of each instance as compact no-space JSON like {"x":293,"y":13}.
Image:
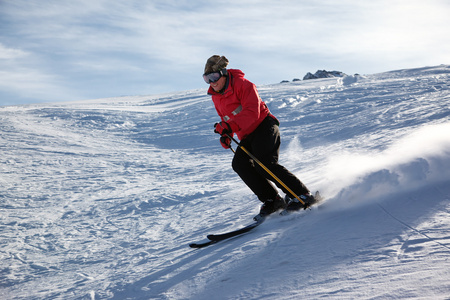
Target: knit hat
{"x":215,"y":63}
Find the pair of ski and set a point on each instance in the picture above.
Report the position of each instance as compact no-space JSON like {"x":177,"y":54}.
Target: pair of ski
{"x":257,"y":220}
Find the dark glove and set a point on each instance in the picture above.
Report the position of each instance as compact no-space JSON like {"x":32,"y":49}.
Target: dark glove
{"x":225,"y":142}
{"x":223,"y":128}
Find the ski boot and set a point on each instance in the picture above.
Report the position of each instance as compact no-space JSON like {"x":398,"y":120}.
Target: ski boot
{"x":270,"y":206}
{"x":294,"y":204}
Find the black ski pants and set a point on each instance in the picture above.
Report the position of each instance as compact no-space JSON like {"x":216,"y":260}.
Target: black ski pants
{"x":264,"y":144}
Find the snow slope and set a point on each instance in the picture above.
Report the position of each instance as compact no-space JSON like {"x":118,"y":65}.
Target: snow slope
{"x":99,"y":199}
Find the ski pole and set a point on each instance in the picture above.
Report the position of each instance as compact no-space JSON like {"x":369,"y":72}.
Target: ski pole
{"x":265,"y":168}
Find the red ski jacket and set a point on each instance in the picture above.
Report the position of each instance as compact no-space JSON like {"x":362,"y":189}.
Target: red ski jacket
{"x":240,"y":104}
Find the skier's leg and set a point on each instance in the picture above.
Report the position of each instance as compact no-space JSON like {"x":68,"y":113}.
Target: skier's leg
{"x":244,"y":167}
{"x":265,"y":144}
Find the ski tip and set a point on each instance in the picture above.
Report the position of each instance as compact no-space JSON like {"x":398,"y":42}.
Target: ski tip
{"x":201,"y":244}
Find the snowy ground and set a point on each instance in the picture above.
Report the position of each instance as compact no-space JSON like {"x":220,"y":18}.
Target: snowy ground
{"x":99,"y":199}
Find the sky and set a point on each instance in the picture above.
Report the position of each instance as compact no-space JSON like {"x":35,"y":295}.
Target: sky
{"x":61,"y":50}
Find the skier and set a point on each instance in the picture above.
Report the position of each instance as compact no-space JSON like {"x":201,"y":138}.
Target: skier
{"x":243,"y":113}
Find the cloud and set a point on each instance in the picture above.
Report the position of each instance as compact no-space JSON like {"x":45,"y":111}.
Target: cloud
{"x":11,"y":53}
{"x":29,"y":85}
{"x":108,"y":48}
{"x":23,"y":81}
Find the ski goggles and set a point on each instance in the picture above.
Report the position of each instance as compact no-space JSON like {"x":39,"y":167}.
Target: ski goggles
{"x":212,"y":77}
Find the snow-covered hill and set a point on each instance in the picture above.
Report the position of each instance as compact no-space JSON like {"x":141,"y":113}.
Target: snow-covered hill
{"x":99,"y":199}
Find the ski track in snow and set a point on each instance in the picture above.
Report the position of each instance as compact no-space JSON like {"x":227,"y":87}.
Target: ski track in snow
{"x":100,"y":198}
